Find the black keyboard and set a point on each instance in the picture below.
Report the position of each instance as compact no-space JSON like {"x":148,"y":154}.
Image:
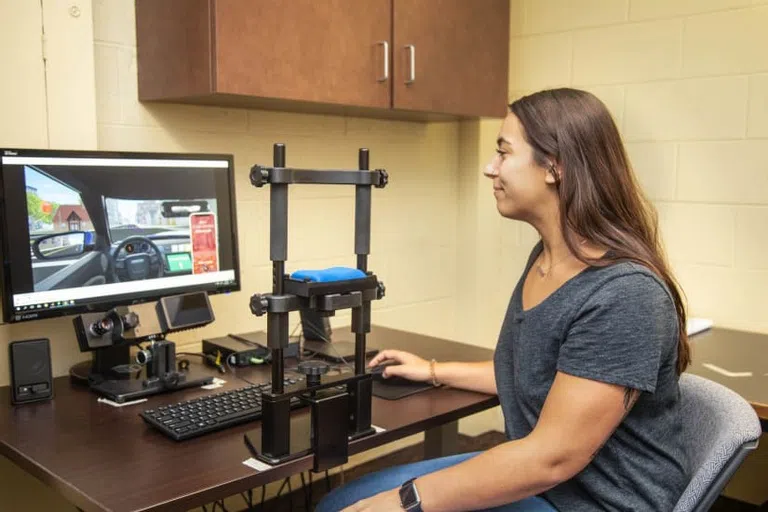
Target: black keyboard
{"x":211,"y":413}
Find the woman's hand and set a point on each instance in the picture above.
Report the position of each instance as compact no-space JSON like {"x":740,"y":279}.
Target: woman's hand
{"x":404,"y":365}
{"x":387,"y":501}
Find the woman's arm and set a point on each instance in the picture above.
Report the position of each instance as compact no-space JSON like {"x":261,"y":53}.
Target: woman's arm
{"x":578,"y":417}
{"x":470,"y":376}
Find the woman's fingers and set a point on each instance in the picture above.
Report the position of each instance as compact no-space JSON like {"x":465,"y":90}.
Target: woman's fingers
{"x":385,"y":355}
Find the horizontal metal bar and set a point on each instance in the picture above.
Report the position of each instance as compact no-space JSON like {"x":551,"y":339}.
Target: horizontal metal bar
{"x":282,"y":175}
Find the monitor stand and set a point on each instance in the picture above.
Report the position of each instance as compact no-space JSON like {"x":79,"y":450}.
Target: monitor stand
{"x":112,"y":375}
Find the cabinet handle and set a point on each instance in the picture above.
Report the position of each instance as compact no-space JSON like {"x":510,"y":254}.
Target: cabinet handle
{"x":412,"y":76}
{"x":385,"y":45}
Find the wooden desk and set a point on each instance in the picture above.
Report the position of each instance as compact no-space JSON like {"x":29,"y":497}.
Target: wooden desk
{"x":735,"y":351}
{"x":104,"y":458}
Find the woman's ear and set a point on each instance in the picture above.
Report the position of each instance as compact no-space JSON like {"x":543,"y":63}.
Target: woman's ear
{"x":553,"y":175}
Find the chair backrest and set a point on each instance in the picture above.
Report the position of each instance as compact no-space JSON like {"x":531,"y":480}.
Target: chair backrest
{"x":720,"y":428}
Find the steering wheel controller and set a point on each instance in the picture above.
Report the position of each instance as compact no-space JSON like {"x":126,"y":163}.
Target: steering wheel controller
{"x":144,"y":259}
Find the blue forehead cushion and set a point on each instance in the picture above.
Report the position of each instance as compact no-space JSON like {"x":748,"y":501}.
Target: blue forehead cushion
{"x":328,"y":275}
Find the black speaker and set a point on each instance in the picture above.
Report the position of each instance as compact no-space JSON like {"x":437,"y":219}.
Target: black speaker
{"x":31,"y":375}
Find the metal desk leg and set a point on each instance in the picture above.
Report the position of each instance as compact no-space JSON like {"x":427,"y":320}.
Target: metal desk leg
{"x":441,"y":441}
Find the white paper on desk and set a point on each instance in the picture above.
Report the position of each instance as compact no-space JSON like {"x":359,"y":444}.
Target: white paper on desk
{"x":124,"y":404}
{"x":257,"y":464}
{"x":697,"y":325}
{"x":217,"y":383}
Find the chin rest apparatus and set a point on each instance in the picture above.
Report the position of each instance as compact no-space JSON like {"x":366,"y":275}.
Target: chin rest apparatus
{"x":340,"y":405}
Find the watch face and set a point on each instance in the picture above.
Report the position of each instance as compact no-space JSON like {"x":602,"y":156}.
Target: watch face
{"x":408,"y":496}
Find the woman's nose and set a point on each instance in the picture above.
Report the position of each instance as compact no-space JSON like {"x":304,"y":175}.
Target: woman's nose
{"x":490,"y":170}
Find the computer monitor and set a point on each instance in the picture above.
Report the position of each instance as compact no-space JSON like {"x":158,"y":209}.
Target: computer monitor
{"x":88,"y":231}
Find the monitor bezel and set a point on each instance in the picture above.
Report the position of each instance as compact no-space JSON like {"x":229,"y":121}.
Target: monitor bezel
{"x":8,"y":315}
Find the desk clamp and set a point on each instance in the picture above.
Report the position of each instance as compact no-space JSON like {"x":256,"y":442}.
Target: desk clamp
{"x":340,"y":404}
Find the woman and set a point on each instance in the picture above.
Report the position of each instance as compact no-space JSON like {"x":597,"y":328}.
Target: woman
{"x":587,"y":362}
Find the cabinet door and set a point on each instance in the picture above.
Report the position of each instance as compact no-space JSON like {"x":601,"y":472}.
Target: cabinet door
{"x":451,"y":56}
{"x":326,"y":51}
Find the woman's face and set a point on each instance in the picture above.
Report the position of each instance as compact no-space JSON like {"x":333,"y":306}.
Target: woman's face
{"x":522,"y":188}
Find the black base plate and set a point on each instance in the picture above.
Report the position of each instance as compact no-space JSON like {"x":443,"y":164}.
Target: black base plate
{"x":121,"y":391}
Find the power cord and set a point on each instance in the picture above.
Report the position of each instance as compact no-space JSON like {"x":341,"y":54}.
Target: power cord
{"x":215,"y":361}
{"x":333,"y":348}
{"x":234,"y":373}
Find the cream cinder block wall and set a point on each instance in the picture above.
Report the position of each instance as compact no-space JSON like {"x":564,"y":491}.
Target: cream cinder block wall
{"x":687,"y":82}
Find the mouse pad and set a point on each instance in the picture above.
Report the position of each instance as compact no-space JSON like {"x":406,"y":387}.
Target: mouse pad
{"x":397,"y":387}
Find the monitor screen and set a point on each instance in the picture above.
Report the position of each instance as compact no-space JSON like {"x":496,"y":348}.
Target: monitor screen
{"x":86,"y":231}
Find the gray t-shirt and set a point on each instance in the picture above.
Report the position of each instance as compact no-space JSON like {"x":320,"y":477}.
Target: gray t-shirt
{"x":614,"y":324}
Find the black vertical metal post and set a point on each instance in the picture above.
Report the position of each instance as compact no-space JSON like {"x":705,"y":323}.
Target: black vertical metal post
{"x":361,"y":315}
{"x":277,"y":323}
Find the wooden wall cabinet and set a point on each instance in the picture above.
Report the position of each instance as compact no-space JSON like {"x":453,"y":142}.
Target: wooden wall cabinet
{"x":391,"y":58}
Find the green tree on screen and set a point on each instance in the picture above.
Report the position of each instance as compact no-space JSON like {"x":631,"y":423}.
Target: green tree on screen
{"x":35,"y":208}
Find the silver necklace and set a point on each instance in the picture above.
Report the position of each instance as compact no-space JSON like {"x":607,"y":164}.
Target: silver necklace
{"x":542,"y":273}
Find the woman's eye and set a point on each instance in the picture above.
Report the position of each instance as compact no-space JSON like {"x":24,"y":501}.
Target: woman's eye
{"x":501,"y":153}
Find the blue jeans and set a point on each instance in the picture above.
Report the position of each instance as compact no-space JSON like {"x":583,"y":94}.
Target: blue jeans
{"x":374,"y":483}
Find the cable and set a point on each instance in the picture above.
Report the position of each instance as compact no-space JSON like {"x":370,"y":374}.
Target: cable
{"x":336,"y":367}
{"x":263,"y":492}
{"x":327,"y":482}
{"x":208,"y":357}
{"x":330,"y":344}
{"x":341,"y":357}
{"x":234,"y":372}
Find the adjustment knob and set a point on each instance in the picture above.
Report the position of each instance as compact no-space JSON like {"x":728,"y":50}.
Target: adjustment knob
{"x":259,"y":176}
{"x":259,"y":304}
{"x":381,"y":290}
{"x":383,"y":178}
{"x":313,"y":370}
{"x":130,"y":321}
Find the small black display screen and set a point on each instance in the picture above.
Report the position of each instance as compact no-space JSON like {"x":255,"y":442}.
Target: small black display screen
{"x":187,"y":310}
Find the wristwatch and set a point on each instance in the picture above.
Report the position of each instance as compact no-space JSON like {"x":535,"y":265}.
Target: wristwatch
{"x":409,"y":497}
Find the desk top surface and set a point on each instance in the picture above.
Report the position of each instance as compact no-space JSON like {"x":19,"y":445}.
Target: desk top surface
{"x":106,"y":458}
{"x":720,"y":352}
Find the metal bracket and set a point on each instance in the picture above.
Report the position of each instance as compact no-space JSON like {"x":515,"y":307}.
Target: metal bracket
{"x":268,"y":303}
{"x":261,"y":175}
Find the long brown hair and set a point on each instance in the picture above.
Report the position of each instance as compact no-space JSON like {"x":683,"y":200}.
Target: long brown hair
{"x":600,"y":199}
